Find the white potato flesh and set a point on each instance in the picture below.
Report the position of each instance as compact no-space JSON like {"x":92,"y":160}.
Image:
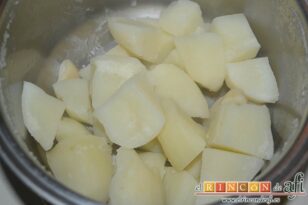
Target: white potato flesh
{"x":110,"y":73}
{"x":243,"y":128}
{"x":152,"y":146}
{"x":194,"y":168}
{"x":182,"y":139}
{"x":255,"y":79}
{"x":42,"y":114}
{"x":179,"y":187}
{"x":203,"y":28}
{"x":132,"y":117}
{"x":154,"y":161}
{"x":134,"y":183}
{"x":67,"y":70}
{"x":76,"y":97}
{"x":219,"y":165}
{"x":171,"y":82}
{"x":149,"y":21}
{"x":174,"y":58}
{"x":70,"y":129}
{"x":203,"y":56}
{"x":145,"y":41}
{"x":87,"y":72}
{"x":118,"y":51}
{"x":239,"y":39}
{"x":84,"y":165}
{"x":181,"y":17}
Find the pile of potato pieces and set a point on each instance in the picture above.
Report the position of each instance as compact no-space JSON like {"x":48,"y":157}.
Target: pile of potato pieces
{"x":150,"y":111}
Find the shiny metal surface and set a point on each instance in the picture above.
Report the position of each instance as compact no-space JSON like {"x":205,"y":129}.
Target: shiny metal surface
{"x":37,"y":35}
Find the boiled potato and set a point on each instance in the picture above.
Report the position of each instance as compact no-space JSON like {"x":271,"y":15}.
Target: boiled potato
{"x":132,"y":35}
{"x":152,"y":146}
{"x":179,"y":187}
{"x":203,"y":56}
{"x":182,"y":139}
{"x":70,"y":129}
{"x":171,"y":82}
{"x":132,"y":117}
{"x":239,"y":39}
{"x":67,"y":70}
{"x":154,"y":161}
{"x":76,"y":97}
{"x":219,"y":165}
{"x":255,"y":79}
{"x":87,"y":72}
{"x":118,"y":51}
{"x":203,"y":28}
{"x":134,"y":183}
{"x":243,"y":128}
{"x":84,"y":165}
{"x":174,"y":58}
{"x":181,"y":17}
{"x":194,"y":168}
{"x":110,"y":73}
{"x":41,"y":114}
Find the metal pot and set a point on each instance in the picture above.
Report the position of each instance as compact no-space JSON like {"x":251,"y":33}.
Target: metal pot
{"x":36,"y":35}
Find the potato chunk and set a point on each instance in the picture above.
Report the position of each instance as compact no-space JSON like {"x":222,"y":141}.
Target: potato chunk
{"x":179,"y":187}
{"x":182,"y":17}
{"x":70,"y":129}
{"x":76,"y":97}
{"x":67,"y":70}
{"x":41,"y":114}
{"x":182,"y":139}
{"x":152,"y":146}
{"x":194,"y":168}
{"x":132,"y":117}
{"x":134,"y":183}
{"x":155,"y":161}
{"x":203,"y":56}
{"x":239,"y":39}
{"x":171,"y":82}
{"x":243,"y":128}
{"x":174,"y":58}
{"x":118,"y":51}
{"x":84,"y":165}
{"x":145,"y":41}
{"x":255,"y":79}
{"x":110,"y":73}
{"x":219,"y":165}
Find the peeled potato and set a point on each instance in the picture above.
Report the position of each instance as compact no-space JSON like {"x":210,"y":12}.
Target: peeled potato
{"x":141,"y":39}
{"x":110,"y":73}
{"x":181,"y":17}
{"x":179,"y":187}
{"x":194,"y":168}
{"x":41,"y":114}
{"x":203,"y":28}
{"x":239,"y":40}
{"x":171,"y":82}
{"x":255,"y":79}
{"x":76,"y":97}
{"x":70,"y":129}
{"x":87,"y":72}
{"x":132,"y":117}
{"x":244,"y":128}
{"x":174,"y":58}
{"x":203,"y":56}
{"x":219,"y":165}
{"x":134,"y":183}
{"x":152,"y":146}
{"x":154,"y":161}
{"x":182,"y":139}
{"x":67,"y":71}
{"x":84,"y":165}
{"x":118,"y":51}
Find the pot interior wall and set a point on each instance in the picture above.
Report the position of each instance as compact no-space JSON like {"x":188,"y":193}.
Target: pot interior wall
{"x":37,"y":35}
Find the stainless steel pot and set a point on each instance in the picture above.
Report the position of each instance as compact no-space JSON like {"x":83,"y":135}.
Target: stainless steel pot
{"x":36,"y":35}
